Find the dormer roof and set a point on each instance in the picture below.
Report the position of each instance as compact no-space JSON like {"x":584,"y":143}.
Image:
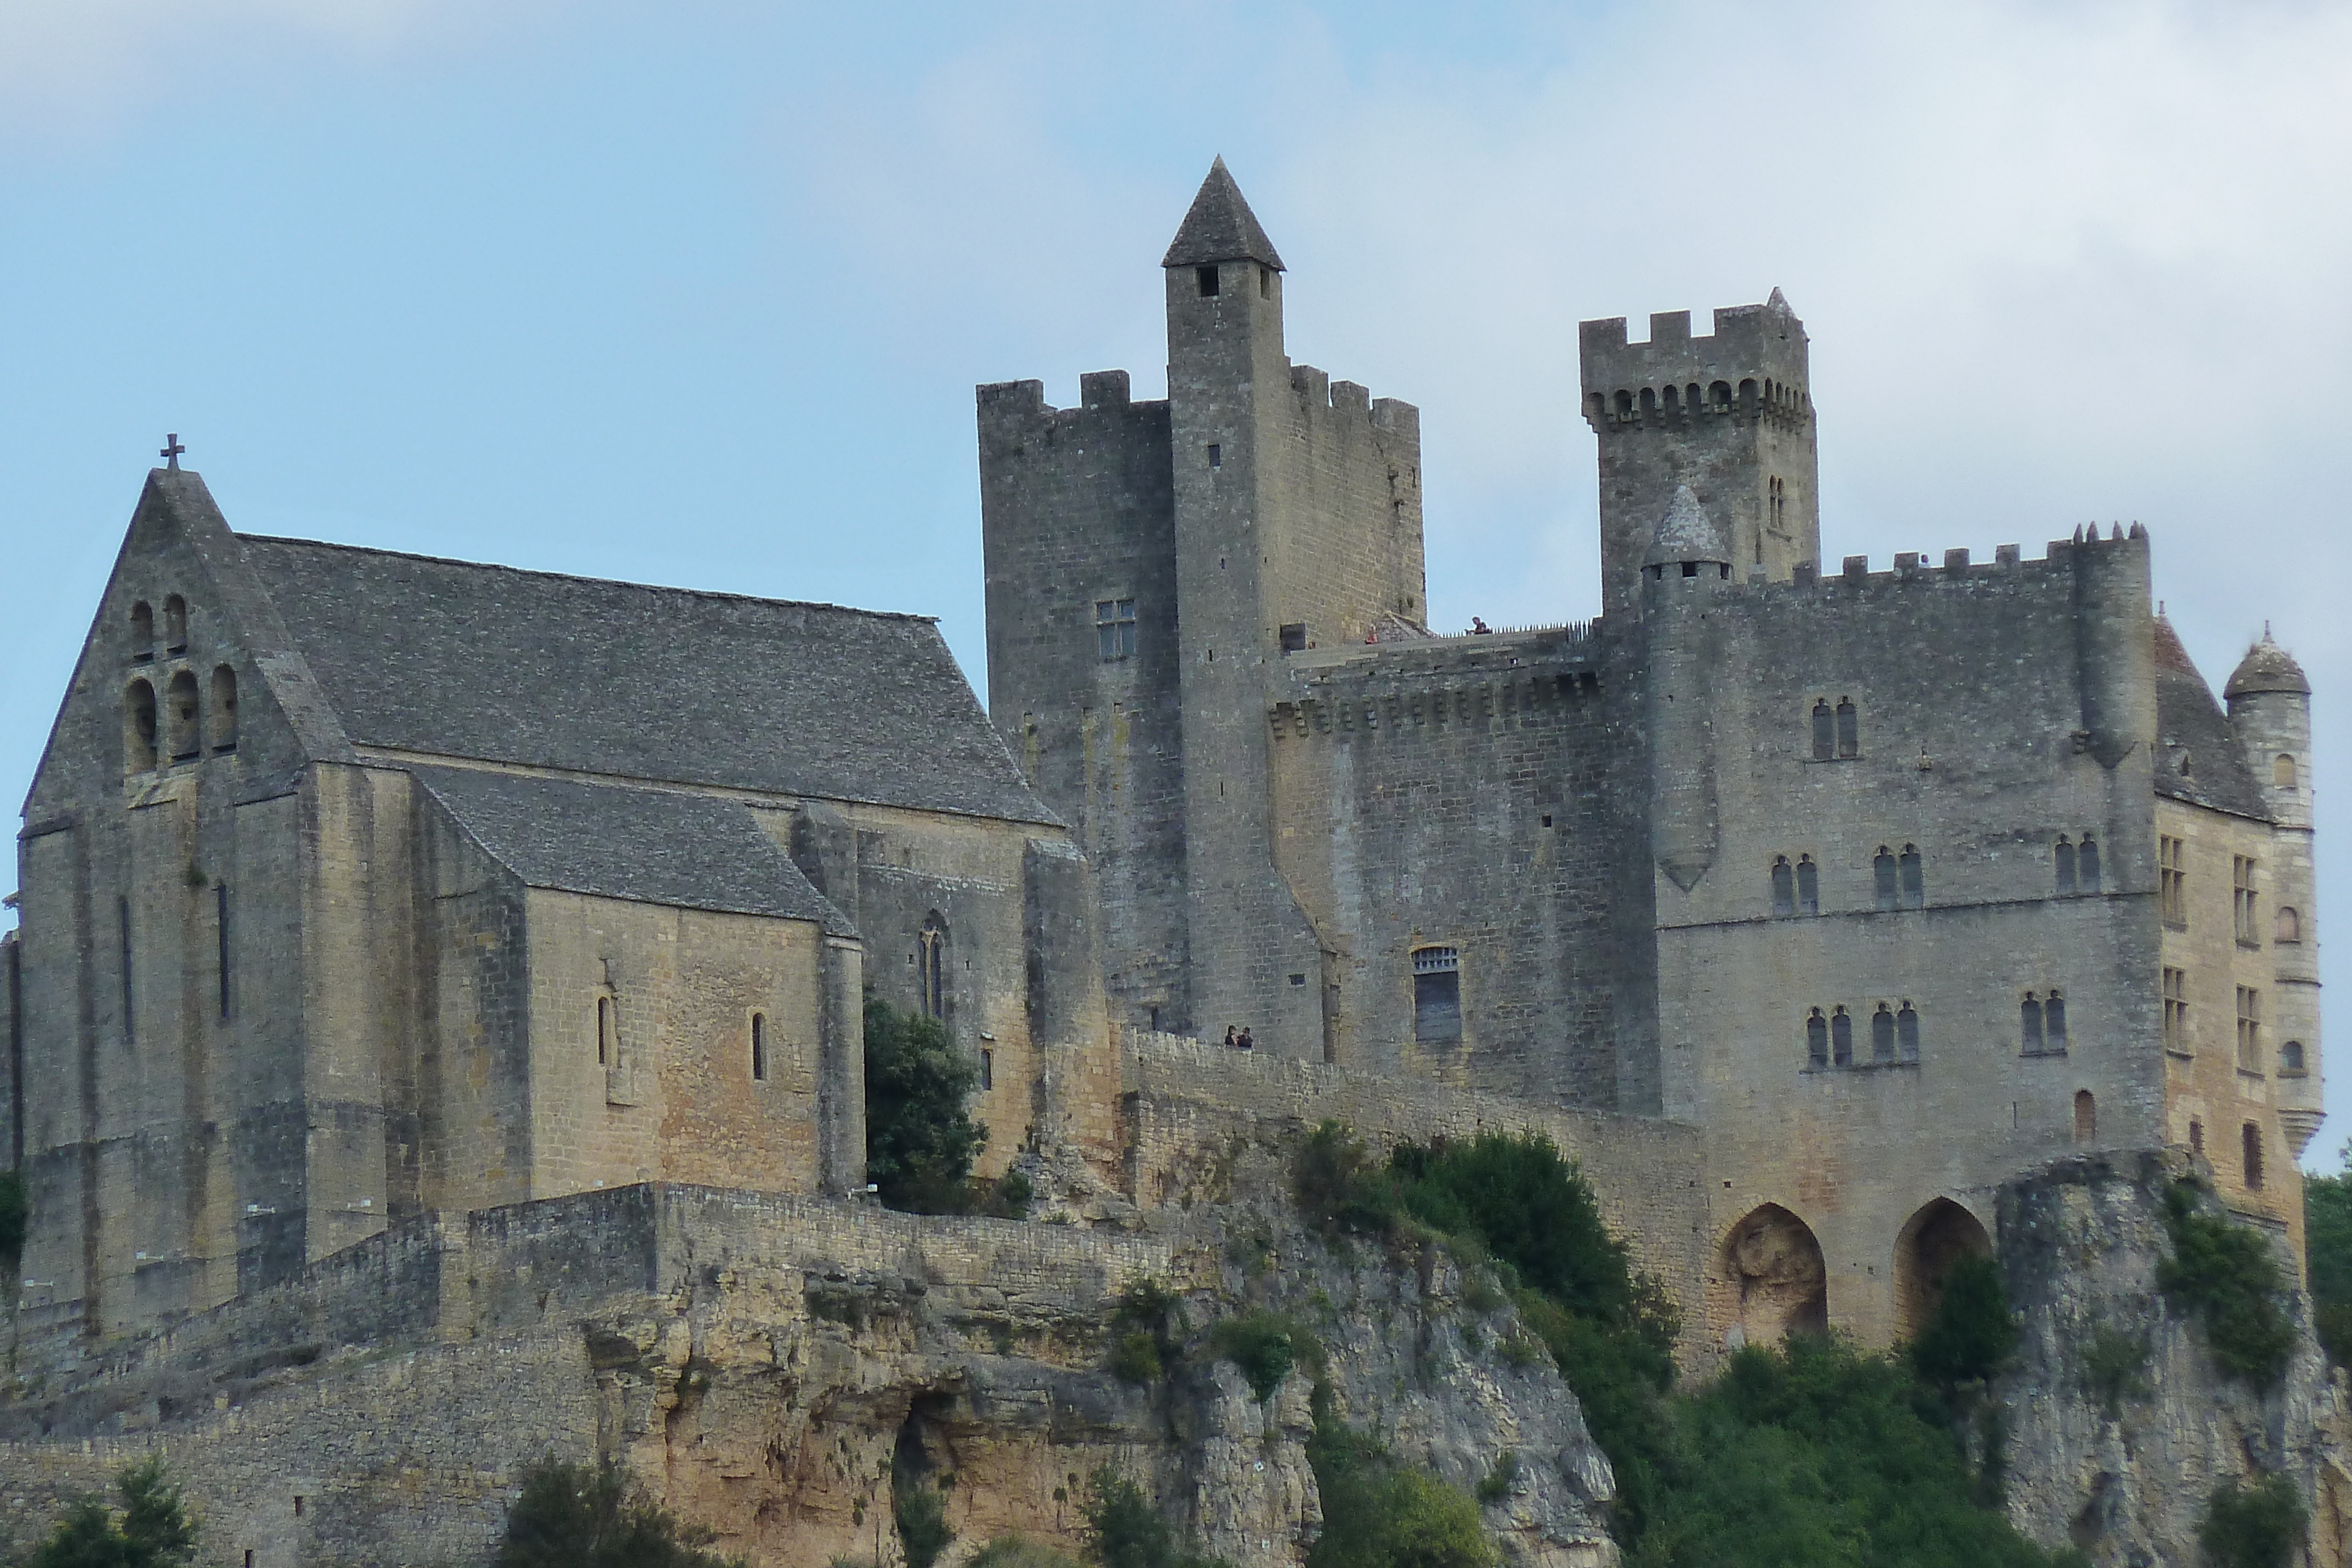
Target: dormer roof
{"x":1220,"y":227}
{"x":2267,"y":668}
{"x":1686,"y":533}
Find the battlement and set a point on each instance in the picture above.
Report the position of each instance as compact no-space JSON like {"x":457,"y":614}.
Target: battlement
{"x":1957,"y":564}
{"x":1024,"y":401}
{"x":1475,"y":679}
{"x":1319,"y":392}
{"x":1754,"y":365}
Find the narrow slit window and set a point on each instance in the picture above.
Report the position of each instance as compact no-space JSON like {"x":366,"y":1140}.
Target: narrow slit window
{"x":758,"y":1048}
{"x":2028,"y":1024}
{"x":2065,"y":856}
{"x":142,"y":632}
{"x":987,"y":1068}
{"x":2086,"y":862}
{"x":175,"y":624}
{"x":1849,"y":728}
{"x":1809,"y":886}
{"x":1784,"y":888}
{"x":1216,"y":454}
{"x":1842,"y":1037}
{"x":221,"y":943}
{"x":2086,"y":1117}
{"x":1436,"y":996}
{"x":1824,"y":732}
{"x":1884,"y":879}
{"x":1266,"y":283}
{"x":1817,"y":1039}
{"x":608,"y":1032}
{"x":931,"y":965}
{"x":1914,"y":876}
{"x":1882,"y":1034}
{"x":2196,"y":1136}
{"x":1115,"y":629}
{"x":130,"y":1012}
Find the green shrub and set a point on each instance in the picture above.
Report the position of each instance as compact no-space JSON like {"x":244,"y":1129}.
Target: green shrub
{"x":1136,"y":1359}
{"x":2328,"y":1258}
{"x":154,"y":1529}
{"x":2258,"y":1525}
{"x":2115,"y":1368}
{"x":15,"y":1213}
{"x":921,"y":1516}
{"x":1144,"y":1329}
{"x":1380,"y":1514}
{"x":919,"y":1138}
{"x":1501,"y":1478}
{"x":1265,"y":1346}
{"x":2225,"y":1274}
{"x":1125,"y":1531}
{"x":1336,"y":1182}
{"x":1971,"y":1333}
{"x":593,"y":1516}
{"x":1019,"y":1551}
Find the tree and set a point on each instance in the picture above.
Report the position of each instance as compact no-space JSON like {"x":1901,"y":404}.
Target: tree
{"x":15,"y":1213}
{"x":2328,"y":1253}
{"x":919,"y":1139}
{"x":585,"y":1516}
{"x":153,"y":1530}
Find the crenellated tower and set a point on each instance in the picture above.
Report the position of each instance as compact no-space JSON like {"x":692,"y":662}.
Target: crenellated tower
{"x":1731,"y":416}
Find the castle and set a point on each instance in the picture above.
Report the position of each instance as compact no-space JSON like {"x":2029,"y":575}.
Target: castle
{"x":358,"y":887}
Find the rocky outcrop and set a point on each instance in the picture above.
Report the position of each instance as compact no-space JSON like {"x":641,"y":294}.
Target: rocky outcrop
{"x":2120,"y":1425}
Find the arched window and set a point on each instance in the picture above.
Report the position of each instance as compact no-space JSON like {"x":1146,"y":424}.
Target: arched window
{"x":1881,"y":869}
{"x":1649,"y":400}
{"x":138,"y":729}
{"x":1824,"y":731}
{"x":1817,"y":1039}
{"x":2291,"y":1056}
{"x":2250,"y":1137}
{"x":1784,"y":888}
{"x":931,"y":965}
{"x":2028,"y":1024}
{"x":1690,"y":398}
{"x":1914,"y":882}
{"x":2065,"y":856}
{"x":1849,"y":722}
{"x":1719,"y":394}
{"x":1906,"y":1032}
{"x":758,"y":1048}
{"x":1748,"y":392}
{"x":2087,"y":864}
{"x":2086,"y":1117}
{"x":187,"y":740}
{"x":1841,"y":1038}
{"x":2283,"y":771}
{"x":1436,"y":996}
{"x":223,"y":718}
{"x":1624,"y":404}
{"x":2286,"y":926}
{"x":142,"y":632}
{"x":2054,"y":1023}
{"x":1595,"y":406}
{"x":1809,"y":886}
{"x":1882,"y":1034}
{"x":175,"y":624}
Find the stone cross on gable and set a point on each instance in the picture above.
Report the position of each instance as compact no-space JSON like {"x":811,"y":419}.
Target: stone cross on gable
{"x":171,"y":450}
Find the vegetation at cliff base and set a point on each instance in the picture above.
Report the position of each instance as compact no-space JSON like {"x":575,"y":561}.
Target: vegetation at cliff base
{"x":592,"y":1516}
{"x":2225,"y":1275}
{"x":151,"y":1530}
{"x":1380,"y":1514}
{"x":1124,"y":1529}
{"x":2327,"y":1256}
{"x":921,"y":1516}
{"x":2256,"y":1525}
{"x":1813,"y":1454}
{"x":919,"y":1137}
{"x":15,"y":1213}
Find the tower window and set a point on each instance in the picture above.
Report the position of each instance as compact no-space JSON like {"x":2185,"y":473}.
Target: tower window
{"x":2172,"y":882}
{"x":608,"y":1032}
{"x":221,"y":943}
{"x":223,"y":709}
{"x":1216,"y":456}
{"x":2086,"y":1117}
{"x":1915,"y":884}
{"x":1817,"y":1039}
{"x":2250,"y":1137}
{"x":138,"y":729}
{"x":1848,"y":726}
{"x":2176,"y":1011}
{"x":1266,"y":283}
{"x":2054,"y":1024}
{"x":142,"y":632}
{"x":2286,"y":926}
{"x":175,"y":624}
{"x":2087,"y":864}
{"x":2250,"y":1029}
{"x":2291,"y":1058}
{"x":2065,"y":856}
{"x":1294,"y":637}
{"x":1784,"y":888}
{"x":987,"y":1068}
{"x":1115,"y":629}
{"x":931,"y":965}
{"x":1809,"y":886}
{"x":1883,"y":877}
{"x":1841,"y":1038}
{"x":1206,"y":278}
{"x":1882,"y":1034}
{"x":2283,"y":772}
{"x":2028,"y":1024}
{"x":187,"y":740}
{"x":1824,"y":731}
{"x":1906,"y":1032}
{"x":2241,"y":901}
{"x":758,"y":1048}
{"x":1436,"y":996}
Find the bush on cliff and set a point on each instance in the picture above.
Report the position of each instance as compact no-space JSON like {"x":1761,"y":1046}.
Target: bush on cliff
{"x":152,"y":1530}
{"x":2226,"y":1275}
{"x":2256,"y":1525}
{"x":1380,"y":1514}
{"x":593,"y":1516}
{"x":2327,"y":1254}
{"x":15,"y":1213}
{"x":919,"y":1138}
{"x":1125,"y":1531}
{"x":1971,"y":1333}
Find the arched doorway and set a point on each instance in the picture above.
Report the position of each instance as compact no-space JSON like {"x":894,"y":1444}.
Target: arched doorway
{"x":1774,"y":1267}
{"x":1931,"y":1240}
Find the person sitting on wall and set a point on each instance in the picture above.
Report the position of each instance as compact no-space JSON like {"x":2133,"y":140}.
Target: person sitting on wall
{"x":1230,"y":1043}
{"x":1244,"y":1042}
{"x":1478,"y":627}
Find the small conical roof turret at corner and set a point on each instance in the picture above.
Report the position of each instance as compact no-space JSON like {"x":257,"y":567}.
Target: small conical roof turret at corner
{"x":1220,"y":227}
{"x":1780,"y":302}
{"x":1686,"y":533}
{"x":2267,"y":668}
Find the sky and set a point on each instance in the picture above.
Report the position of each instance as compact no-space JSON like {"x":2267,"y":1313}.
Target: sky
{"x":696,"y":293}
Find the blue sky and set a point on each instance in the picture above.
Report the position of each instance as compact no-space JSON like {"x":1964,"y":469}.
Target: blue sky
{"x":697,"y":293}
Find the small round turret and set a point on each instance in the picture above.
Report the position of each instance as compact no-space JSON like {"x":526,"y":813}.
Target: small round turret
{"x":2267,"y":668}
{"x":1686,"y":537}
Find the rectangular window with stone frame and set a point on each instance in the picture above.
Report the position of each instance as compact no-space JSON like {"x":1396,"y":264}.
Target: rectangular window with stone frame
{"x":1115,"y":629}
{"x":2241,"y":901}
{"x":2172,"y":882}
{"x":2176,"y":1011}
{"x":2250,"y":1029}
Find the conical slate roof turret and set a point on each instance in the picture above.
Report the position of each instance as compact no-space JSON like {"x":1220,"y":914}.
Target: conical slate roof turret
{"x":1220,"y":227}
{"x":2267,"y":668}
{"x":1686,"y":533}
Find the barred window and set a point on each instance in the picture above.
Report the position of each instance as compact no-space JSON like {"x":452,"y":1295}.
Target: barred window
{"x":1115,"y":629}
{"x":1436,"y":996}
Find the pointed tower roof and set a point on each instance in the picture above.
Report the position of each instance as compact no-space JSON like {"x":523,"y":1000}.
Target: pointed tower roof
{"x":1220,"y":227}
{"x":2267,"y":668}
{"x":1779,"y":301}
{"x":1686,"y":533}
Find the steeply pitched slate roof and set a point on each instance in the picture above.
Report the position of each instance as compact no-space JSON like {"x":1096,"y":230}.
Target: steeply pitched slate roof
{"x":1220,"y":227}
{"x":451,"y":657}
{"x":648,"y":846}
{"x":1686,"y":533}
{"x":2192,"y":727}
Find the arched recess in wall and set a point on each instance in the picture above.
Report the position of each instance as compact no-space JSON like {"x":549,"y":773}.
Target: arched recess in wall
{"x":931,"y":965}
{"x":1777,"y":1284}
{"x":1930,"y":1241}
{"x":138,"y":729}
